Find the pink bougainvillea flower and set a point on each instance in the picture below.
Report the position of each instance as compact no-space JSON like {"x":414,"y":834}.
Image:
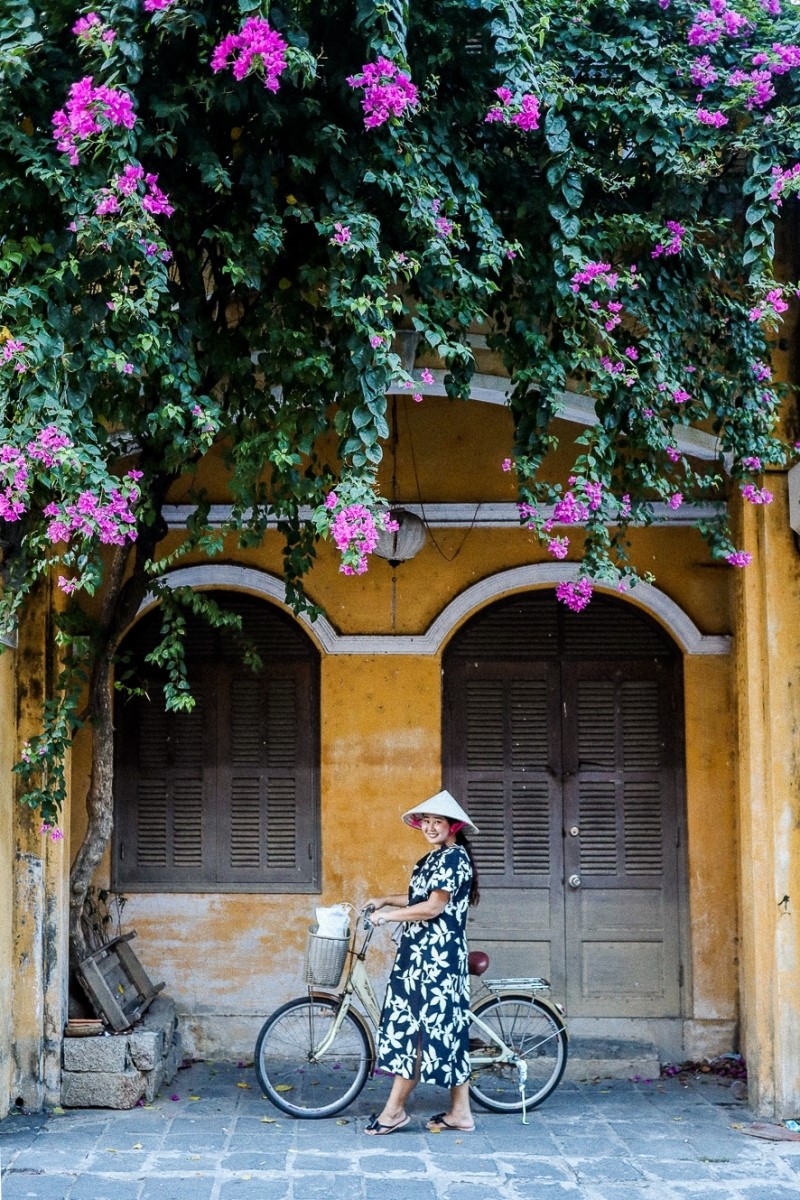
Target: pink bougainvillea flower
{"x":256,"y":48}
{"x":717,"y":119}
{"x":388,"y":92}
{"x":575,"y":595}
{"x":89,"y":111}
{"x":739,"y":558}
{"x":524,"y":112}
{"x":558,"y":547}
{"x":756,"y":495}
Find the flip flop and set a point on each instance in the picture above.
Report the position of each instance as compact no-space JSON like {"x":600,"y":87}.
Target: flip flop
{"x":438,"y":1119}
{"x":375,"y":1128}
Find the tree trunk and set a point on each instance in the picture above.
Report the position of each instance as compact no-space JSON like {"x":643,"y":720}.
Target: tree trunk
{"x":121,"y":601}
{"x":99,"y":802}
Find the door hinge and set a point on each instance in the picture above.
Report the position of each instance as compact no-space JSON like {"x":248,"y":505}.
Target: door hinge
{"x":680,"y":975}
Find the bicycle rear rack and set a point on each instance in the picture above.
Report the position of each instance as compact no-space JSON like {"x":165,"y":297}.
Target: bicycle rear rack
{"x":520,"y":985}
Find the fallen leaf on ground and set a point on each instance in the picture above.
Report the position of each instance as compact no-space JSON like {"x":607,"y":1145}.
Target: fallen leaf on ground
{"x":137,"y":1146}
{"x":268,"y":1120}
{"x":57,"y":1111}
{"x":284,"y":1087}
{"x":195,"y":1097}
{"x":343,"y":1121}
{"x":771,"y":1133}
{"x":244,"y":1085}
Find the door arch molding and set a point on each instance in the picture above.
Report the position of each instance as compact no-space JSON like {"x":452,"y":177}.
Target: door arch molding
{"x":675,"y":620}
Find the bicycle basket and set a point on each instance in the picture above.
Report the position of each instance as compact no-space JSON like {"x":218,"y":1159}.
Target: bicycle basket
{"x":325,"y":959}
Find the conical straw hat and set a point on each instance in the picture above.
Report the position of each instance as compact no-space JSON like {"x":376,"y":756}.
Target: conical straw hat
{"x":440,"y":805}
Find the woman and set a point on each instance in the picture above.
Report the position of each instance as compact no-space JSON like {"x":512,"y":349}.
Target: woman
{"x":424,"y":1034}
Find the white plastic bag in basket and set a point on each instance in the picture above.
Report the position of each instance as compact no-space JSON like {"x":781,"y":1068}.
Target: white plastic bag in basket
{"x":333,"y":922}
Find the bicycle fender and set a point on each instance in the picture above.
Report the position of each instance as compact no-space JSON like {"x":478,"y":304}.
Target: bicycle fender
{"x":551,"y":1005}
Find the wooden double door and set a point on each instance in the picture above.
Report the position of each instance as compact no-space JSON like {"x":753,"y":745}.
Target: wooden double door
{"x":564,"y":742}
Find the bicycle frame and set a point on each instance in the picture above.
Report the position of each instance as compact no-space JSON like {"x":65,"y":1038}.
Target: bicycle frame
{"x":359,"y":985}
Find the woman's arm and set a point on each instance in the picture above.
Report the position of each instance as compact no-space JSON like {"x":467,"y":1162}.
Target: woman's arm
{"x":398,"y":901}
{"x":425,"y":910}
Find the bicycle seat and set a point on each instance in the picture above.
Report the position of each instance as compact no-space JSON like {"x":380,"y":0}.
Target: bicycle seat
{"x":478,"y":962}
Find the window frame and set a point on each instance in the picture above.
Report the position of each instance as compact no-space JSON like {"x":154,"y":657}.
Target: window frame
{"x":213,"y":876}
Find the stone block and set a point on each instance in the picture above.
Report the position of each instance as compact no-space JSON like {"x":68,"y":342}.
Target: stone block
{"x":160,"y":1015}
{"x":146,"y":1048}
{"x":101,"y":1089}
{"x":96,"y":1053}
{"x":153,"y":1082}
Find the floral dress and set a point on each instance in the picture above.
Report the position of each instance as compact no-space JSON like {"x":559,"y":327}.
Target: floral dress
{"x":424,"y":1013}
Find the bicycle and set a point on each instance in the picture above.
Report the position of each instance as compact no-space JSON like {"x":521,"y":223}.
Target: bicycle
{"x":315,"y":1053}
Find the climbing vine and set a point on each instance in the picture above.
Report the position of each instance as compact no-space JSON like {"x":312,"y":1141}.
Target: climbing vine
{"x":217,"y":216}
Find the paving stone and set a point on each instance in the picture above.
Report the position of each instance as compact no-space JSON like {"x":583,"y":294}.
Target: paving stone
{"x":188,"y":1187}
{"x":771,"y":1191}
{"x":661,"y":1149}
{"x":547,"y":1189}
{"x":627,"y":1191}
{"x":671,"y":1170}
{"x":391,"y":1164}
{"x":470,"y":1191}
{"x":468,"y":1164}
{"x":253,"y":1189}
{"x":99,"y":1187}
{"x":35,"y":1187}
{"x":543,"y":1170}
{"x":325,"y":1187}
{"x":588,"y":1148}
{"x":612,"y":1170}
{"x":304,"y":1160}
{"x":55,"y":1162}
{"x":710,"y":1191}
{"x":252,"y":1160}
{"x":410,"y":1189}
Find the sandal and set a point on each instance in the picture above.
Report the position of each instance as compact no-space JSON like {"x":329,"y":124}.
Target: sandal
{"x":437,"y":1123}
{"x":375,"y":1128}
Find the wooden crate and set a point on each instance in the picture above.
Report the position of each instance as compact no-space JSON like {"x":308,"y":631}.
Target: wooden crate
{"x":117,"y":983}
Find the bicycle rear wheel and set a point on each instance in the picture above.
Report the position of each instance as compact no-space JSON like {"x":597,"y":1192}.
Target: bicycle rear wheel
{"x":536,"y":1033}
{"x":293,"y":1078}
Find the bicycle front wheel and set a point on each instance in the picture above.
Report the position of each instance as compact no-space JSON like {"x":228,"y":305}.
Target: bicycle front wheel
{"x":290,"y":1072}
{"x":531,"y":1029}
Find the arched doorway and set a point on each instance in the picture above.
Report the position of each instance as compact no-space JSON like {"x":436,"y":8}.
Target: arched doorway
{"x":563,"y":734}
{"x":222,"y":797}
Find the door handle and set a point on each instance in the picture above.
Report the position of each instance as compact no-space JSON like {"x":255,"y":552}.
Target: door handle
{"x":574,"y":881}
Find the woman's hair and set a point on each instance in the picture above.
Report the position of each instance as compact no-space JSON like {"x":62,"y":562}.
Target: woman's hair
{"x":474,"y":891}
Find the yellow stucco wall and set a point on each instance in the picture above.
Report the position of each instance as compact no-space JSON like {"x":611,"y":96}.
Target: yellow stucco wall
{"x":39,"y":925}
{"x":229,"y":959}
{"x":8,"y":725}
{"x":768,"y":691}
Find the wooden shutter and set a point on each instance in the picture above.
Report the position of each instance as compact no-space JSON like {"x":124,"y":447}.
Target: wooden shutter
{"x":500,"y":745}
{"x":621,"y":838}
{"x":225,"y":797}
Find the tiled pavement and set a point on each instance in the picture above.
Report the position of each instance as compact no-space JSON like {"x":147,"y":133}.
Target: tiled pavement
{"x":221,"y":1140}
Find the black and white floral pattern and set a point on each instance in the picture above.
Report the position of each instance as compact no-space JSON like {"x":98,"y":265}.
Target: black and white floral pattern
{"x":424,"y":1013}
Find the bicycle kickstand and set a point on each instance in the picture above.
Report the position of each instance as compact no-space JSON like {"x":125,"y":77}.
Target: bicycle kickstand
{"x":523,"y":1078}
